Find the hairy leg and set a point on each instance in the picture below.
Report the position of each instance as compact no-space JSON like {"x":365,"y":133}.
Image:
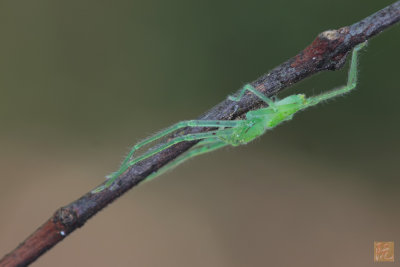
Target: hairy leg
{"x":250,"y":88}
{"x":177,"y":126}
{"x":184,"y":138}
{"x":351,"y":80}
{"x":201,"y":148}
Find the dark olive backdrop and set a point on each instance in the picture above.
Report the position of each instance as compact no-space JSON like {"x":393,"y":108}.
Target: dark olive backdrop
{"x":81,"y":81}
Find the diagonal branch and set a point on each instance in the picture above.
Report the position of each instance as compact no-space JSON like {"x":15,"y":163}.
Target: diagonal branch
{"x":327,"y":52}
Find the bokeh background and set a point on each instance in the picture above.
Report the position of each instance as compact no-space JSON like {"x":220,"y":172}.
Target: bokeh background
{"x":82,"y":81}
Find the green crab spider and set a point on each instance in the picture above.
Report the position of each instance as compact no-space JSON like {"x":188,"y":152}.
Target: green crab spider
{"x":234,"y":133}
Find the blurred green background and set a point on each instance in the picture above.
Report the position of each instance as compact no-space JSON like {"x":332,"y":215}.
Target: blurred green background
{"x":82,"y":81}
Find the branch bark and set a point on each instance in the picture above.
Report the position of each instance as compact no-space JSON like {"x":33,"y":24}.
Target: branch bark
{"x":327,"y":52}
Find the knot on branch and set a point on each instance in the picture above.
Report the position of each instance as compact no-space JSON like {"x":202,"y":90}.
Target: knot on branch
{"x":65,"y":216}
{"x":327,"y":52}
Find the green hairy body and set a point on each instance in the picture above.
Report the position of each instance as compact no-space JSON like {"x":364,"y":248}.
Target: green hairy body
{"x":234,"y":133}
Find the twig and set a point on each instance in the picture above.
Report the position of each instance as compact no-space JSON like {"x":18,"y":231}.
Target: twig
{"x":327,"y":52}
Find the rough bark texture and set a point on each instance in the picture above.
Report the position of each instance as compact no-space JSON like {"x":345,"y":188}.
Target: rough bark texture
{"x":327,"y":52}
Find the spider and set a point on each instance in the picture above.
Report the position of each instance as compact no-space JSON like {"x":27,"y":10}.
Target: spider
{"x":234,"y":133}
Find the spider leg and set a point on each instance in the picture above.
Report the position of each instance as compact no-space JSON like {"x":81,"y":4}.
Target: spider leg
{"x":199,"y":149}
{"x":249,"y":87}
{"x":351,"y":81}
{"x":184,"y":138}
{"x":175,"y":127}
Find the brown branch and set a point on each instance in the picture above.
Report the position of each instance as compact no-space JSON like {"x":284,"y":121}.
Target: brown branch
{"x":327,"y":52}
